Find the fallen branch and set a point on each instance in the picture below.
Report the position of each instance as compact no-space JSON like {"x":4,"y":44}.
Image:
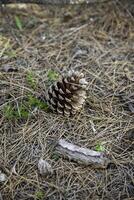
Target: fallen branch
{"x":82,"y":155}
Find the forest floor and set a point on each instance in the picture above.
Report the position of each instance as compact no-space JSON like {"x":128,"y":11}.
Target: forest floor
{"x":38,"y":44}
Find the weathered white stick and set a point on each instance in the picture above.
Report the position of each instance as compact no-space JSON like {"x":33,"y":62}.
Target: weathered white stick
{"x":82,"y":155}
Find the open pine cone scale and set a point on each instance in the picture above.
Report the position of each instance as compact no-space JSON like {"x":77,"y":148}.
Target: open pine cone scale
{"x":67,"y":96}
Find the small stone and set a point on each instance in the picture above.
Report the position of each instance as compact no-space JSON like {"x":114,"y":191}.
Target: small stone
{"x":7,"y":68}
{"x":44,"y":167}
{"x":3,"y":177}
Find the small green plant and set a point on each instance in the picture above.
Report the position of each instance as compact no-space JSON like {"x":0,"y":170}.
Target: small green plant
{"x":22,"y":112}
{"x":11,"y":112}
{"x":100,"y":147}
{"x":34,"y":102}
{"x":31,"y":79}
{"x":18,"y":23}
{"x":11,"y":53}
{"x":5,"y":45}
{"x":8,"y":111}
{"x":24,"y":108}
{"x":39,"y":195}
{"x":55,"y":156}
{"x":52,"y":75}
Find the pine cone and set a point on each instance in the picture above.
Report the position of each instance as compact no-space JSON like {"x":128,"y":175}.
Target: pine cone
{"x":68,"y":95}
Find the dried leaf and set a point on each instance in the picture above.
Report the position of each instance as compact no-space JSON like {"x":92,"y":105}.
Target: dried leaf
{"x":14,"y":170}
